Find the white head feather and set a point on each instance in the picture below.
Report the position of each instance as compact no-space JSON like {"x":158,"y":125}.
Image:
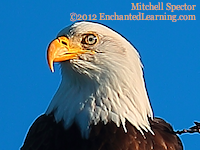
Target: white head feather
{"x":106,"y":86}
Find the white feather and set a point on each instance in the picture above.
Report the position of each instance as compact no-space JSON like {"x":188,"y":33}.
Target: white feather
{"x":109,"y":87}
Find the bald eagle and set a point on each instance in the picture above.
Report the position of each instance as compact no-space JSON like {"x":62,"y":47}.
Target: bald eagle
{"x":102,"y":102}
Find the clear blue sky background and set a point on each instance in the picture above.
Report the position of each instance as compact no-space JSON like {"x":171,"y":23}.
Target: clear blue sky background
{"x":170,"y":52}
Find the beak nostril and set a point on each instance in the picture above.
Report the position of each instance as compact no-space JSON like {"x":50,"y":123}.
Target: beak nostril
{"x":64,"y":43}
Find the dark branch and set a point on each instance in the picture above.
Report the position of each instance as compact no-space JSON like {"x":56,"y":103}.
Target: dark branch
{"x":193,"y":129}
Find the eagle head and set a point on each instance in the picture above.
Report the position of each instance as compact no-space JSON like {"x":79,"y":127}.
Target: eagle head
{"x":102,"y":79}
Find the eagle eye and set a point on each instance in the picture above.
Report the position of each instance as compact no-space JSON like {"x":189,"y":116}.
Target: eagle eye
{"x":89,"y":39}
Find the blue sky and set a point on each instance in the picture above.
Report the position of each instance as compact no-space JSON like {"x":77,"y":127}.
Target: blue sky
{"x":169,"y":51}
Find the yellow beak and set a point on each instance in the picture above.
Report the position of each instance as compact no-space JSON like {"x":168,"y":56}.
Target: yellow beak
{"x":59,"y":50}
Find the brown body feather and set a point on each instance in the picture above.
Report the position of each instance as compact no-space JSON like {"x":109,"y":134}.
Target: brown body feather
{"x":46,"y":134}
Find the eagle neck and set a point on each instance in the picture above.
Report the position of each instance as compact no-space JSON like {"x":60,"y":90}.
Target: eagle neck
{"x":87,"y":100}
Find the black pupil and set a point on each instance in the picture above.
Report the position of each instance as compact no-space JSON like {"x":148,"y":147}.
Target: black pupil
{"x":90,"y":39}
